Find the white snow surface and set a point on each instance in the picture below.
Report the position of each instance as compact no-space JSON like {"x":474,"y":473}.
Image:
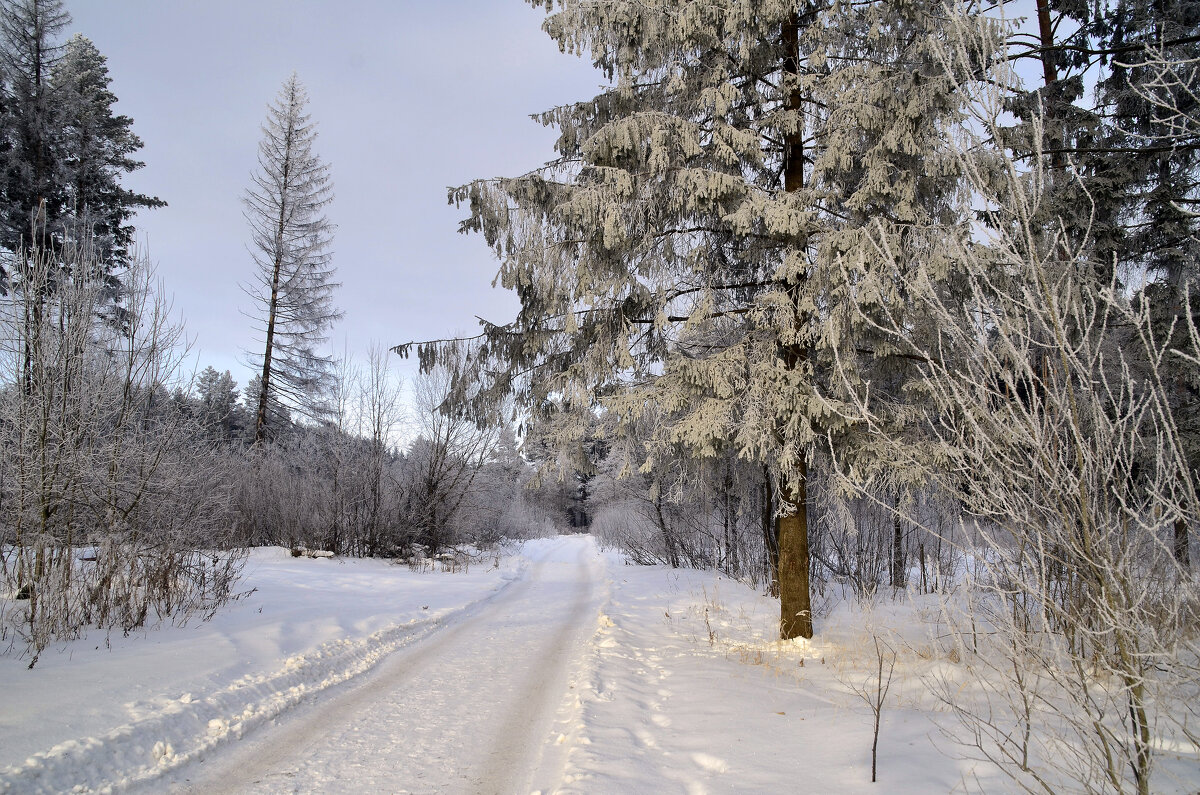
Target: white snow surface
{"x":561,"y":669}
{"x":689,"y":691}
{"x":107,"y":711}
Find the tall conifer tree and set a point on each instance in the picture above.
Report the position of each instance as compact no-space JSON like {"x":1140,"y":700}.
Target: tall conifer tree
{"x":709,"y":219}
{"x":291,"y":238}
{"x":96,"y":147}
{"x":32,"y":171}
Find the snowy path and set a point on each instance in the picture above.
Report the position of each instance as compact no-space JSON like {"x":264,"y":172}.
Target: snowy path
{"x":558,"y":669}
{"x":475,"y":707}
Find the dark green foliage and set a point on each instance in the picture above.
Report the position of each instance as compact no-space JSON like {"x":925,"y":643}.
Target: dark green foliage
{"x":63,"y":149}
{"x":96,"y":150}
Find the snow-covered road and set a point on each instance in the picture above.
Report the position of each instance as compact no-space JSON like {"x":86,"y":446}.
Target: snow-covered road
{"x":551,"y":667}
{"x":475,"y":707}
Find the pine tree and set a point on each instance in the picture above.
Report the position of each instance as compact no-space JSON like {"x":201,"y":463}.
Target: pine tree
{"x":710,"y":219}
{"x":291,"y":236}
{"x":33,"y":174}
{"x":219,"y":413}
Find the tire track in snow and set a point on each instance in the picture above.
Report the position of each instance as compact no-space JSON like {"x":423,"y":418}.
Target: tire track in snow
{"x":471,"y":708}
{"x":512,"y":762}
{"x":188,"y":729}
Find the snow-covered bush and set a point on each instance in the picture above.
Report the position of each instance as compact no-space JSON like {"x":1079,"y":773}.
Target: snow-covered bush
{"x":1049,"y":412}
{"x":110,"y":513}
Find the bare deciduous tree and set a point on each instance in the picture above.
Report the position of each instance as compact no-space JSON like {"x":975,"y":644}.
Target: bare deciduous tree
{"x":111,"y":514}
{"x":447,"y":455}
{"x":1049,"y":415}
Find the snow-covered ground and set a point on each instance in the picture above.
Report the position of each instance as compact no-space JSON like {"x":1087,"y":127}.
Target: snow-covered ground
{"x":690,"y":692}
{"x":559,"y":669}
{"x":108,"y":710}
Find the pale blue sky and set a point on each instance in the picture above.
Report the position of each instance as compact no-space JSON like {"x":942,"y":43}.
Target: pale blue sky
{"x":410,"y":97}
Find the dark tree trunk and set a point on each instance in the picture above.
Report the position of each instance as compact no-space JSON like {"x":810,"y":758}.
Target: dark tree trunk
{"x":1053,"y":92}
{"x":260,"y":425}
{"x":1183,"y":554}
{"x":795,"y":600}
{"x":899,"y":578}
{"x":770,"y":532}
{"x":264,"y":387}
{"x":669,"y":542}
{"x":731,"y":511}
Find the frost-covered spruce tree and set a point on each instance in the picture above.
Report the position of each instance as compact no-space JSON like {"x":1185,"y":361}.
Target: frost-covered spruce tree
{"x":699,"y":237}
{"x":293,"y":285}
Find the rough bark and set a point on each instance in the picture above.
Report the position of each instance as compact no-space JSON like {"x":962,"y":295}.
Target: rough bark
{"x":1182,"y":553}
{"x":264,"y":392}
{"x":899,"y":580}
{"x":795,"y":601}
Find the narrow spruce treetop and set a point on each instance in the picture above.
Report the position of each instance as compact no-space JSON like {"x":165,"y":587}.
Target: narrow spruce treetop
{"x":63,"y":147}
{"x":96,"y":147}
{"x":293,"y":282}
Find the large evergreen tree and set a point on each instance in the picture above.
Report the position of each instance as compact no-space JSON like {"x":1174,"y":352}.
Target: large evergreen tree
{"x":32,"y":172}
{"x":291,"y":236}
{"x":709,"y":221}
